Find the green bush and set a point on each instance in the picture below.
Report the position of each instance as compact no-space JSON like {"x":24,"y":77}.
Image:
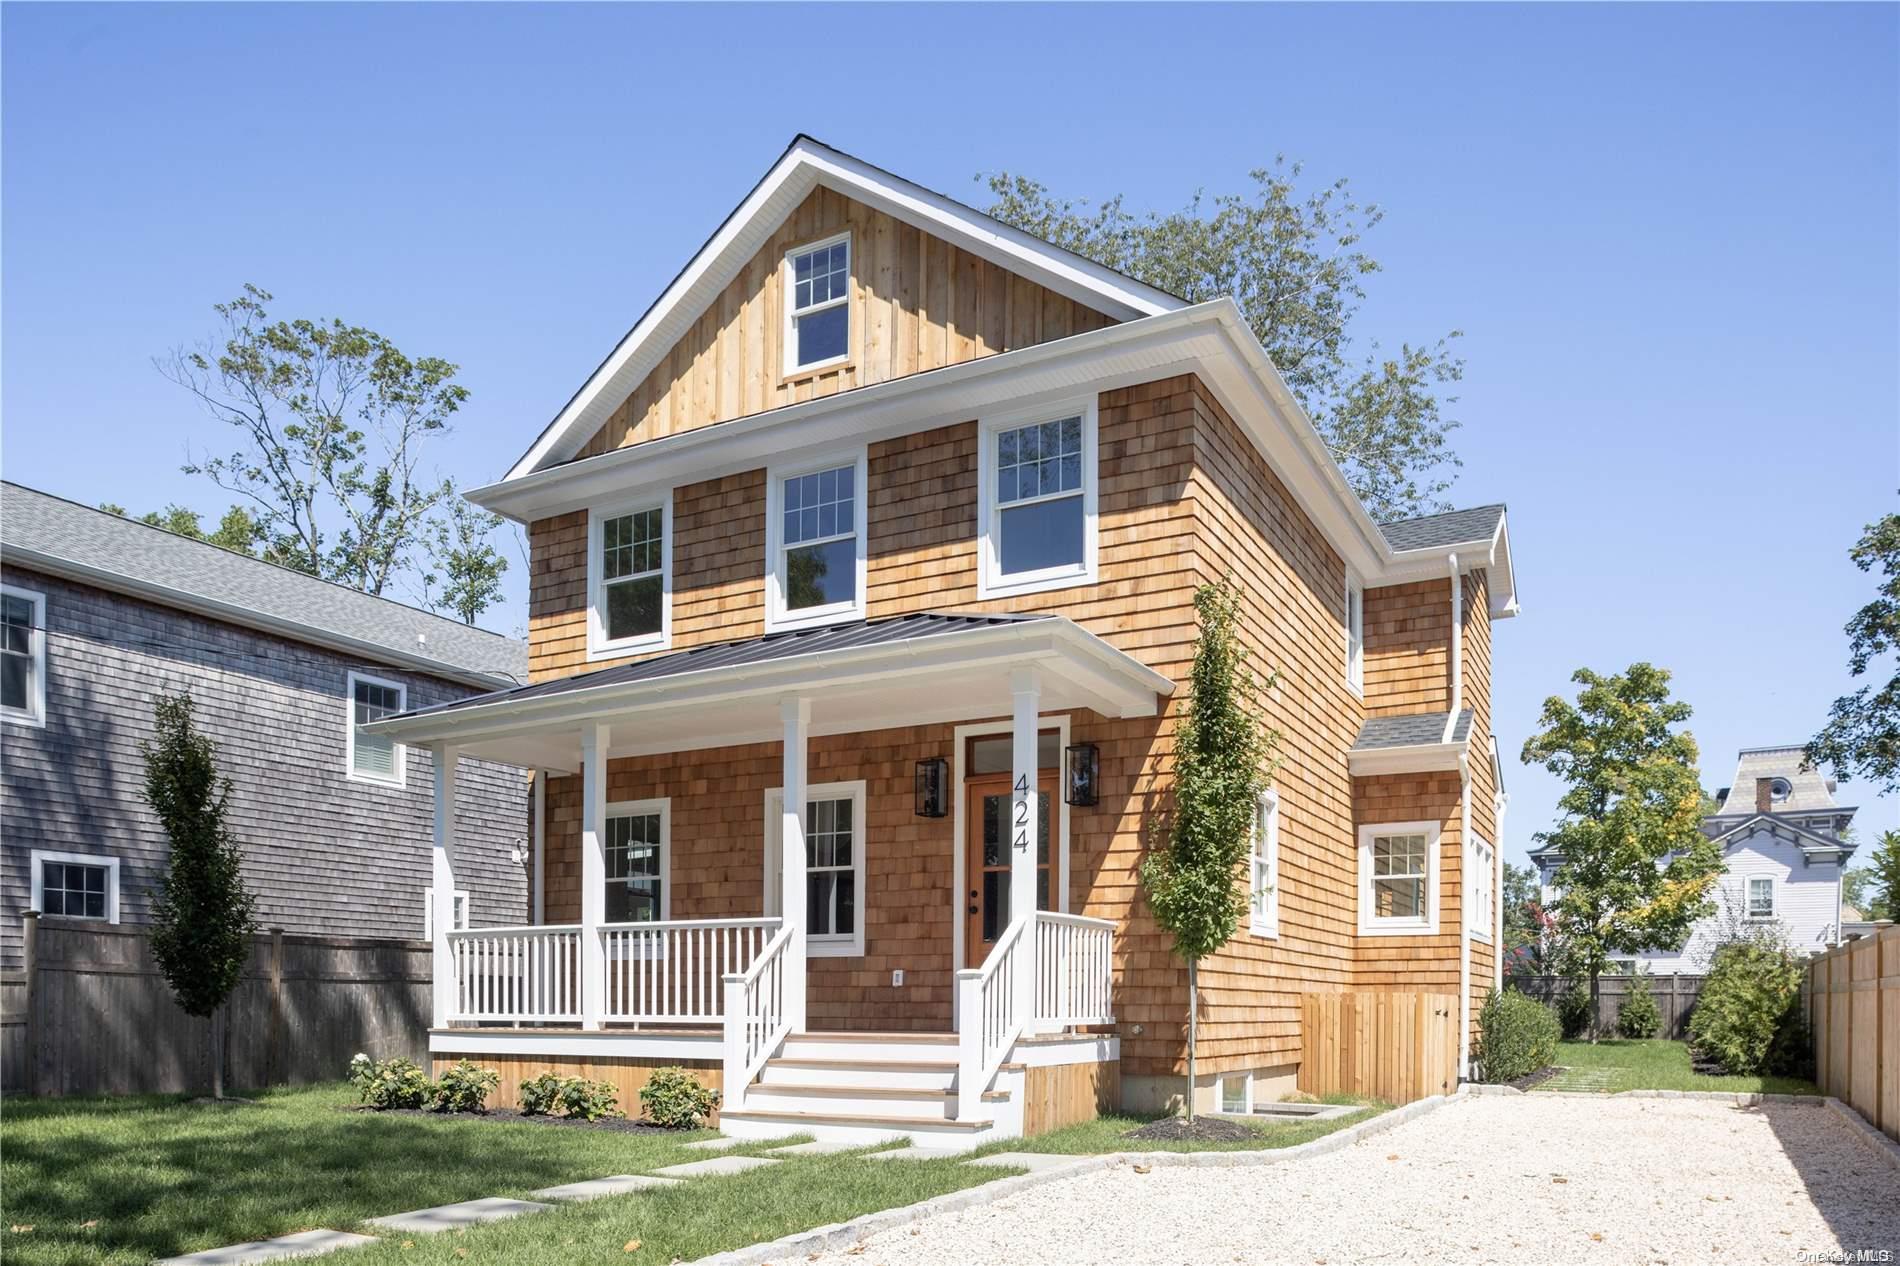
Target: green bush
{"x":541,"y":1094}
{"x":674,"y":1099}
{"x":1638,"y":1016}
{"x":1574,"y":1009}
{"x":1516,"y":1036}
{"x":551,"y":1094}
{"x":465,"y":1088}
{"x":1748,"y":1017}
{"x":391,"y":1083}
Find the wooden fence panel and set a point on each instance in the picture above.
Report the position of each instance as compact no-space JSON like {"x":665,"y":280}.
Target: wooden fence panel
{"x":1675,"y":998}
{"x":1392,"y":1046}
{"x":1853,"y":996}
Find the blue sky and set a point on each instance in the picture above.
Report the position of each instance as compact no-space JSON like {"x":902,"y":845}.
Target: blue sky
{"x":1670,"y":235}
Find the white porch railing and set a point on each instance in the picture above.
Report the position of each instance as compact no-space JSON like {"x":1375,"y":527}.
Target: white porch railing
{"x":1075,"y":970}
{"x":990,"y":1017}
{"x":517,"y":973}
{"x":674,"y":971}
{"x":758,"y":1019}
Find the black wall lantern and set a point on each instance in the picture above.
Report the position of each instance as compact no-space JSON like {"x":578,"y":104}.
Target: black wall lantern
{"x":933,"y":776}
{"x":1082,"y":767}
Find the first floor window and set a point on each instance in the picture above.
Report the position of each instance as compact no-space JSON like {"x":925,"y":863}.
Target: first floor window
{"x":22,"y":654}
{"x":630,"y":566}
{"x":1761,"y":898}
{"x":1039,"y":494}
{"x":76,"y":885}
{"x":1480,"y":909}
{"x":428,"y":911}
{"x":636,"y":864}
{"x":1398,"y":878}
{"x":834,"y":865}
{"x":818,"y":316}
{"x":374,"y":757}
{"x":1264,"y":889}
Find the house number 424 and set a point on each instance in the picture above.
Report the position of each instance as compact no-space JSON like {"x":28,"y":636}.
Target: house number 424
{"x":1025,"y":805}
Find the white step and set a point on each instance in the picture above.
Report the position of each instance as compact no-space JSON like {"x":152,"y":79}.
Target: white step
{"x":886,"y":1048}
{"x":878,"y":1074}
{"x":922,"y":1105}
{"x":752,"y":1123}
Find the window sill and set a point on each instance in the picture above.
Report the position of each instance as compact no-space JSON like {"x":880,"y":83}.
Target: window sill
{"x":834,"y":949}
{"x":370,"y":780}
{"x":1399,"y":929}
{"x":17,"y":717}
{"x":1005,"y":587}
{"x":813,"y":619}
{"x":637,"y":646}
{"x":1266,"y":931}
{"x":805,"y":373}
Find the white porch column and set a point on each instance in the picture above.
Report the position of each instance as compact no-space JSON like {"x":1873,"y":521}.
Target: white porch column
{"x":442,"y":879}
{"x":1025,"y":688}
{"x":796,"y":714}
{"x":593,"y":873}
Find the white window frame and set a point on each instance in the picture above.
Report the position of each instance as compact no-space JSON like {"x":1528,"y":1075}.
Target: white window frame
{"x":1355,"y":634}
{"x":1480,"y":864}
{"x":1264,"y":915}
{"x":663,"y":809}
{"x":400,"y":756}
{"x":991,"y":582}
{"x":1373,"y":925}
{"x":34,"y":713}
{"x":1748,"y":896}
{"x":1246,"y":1094}
{"x":428,"y":912}
{"x":39,"y":856}
{"x":777,"y":616}
{"x":598,"y":644}
{"x":788,"y":338}
{"x":831,"y":945}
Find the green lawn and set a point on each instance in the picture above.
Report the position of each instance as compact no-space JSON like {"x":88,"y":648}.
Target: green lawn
{"x":1651,"y":1064}
{"x":1104,"y":1134}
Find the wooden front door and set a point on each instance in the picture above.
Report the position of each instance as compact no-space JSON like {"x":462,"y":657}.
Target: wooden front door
{"x":986,"y":816}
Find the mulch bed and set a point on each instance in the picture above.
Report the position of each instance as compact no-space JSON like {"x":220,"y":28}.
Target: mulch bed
{"x":1537,"y":1078}
{"x":1199,"y":1130}
{"x":622,"y":1125}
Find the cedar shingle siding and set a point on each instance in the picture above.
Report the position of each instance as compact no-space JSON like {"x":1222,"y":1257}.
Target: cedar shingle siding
{"x":323,"y":854}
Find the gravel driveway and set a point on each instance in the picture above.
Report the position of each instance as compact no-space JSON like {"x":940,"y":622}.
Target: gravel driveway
{"x":1485,"y":1179}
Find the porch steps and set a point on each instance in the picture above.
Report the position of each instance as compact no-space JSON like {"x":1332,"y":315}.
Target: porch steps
{"x":856,"y":1127}
{"x":885,"y":1048}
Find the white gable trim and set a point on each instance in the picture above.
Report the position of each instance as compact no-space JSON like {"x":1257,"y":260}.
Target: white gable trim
{"x":805,"y":165}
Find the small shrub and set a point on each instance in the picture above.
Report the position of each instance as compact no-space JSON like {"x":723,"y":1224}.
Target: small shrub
{"x":1748,"y":1017}
{"x":541,"y":1094}
{"x":1638,"y":1016}
{"x":391,"y":1083}
{"x":1516,"y":1036}
{"x":465,"y":1088}
{"x":674,"y":1099}
{"x":551,"y":1094}
{"x":1574,"y":1010}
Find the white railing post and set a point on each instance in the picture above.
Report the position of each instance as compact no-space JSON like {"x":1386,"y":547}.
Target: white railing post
{"x":734,"y":1079}
{"x":796,"y":714}
{"x":1025,"y":688}
{"x":442,"y":871}
{"x":969,"y":988}
{"x":593,"y":954}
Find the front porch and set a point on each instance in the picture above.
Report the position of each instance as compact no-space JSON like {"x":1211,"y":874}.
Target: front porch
{"x":775,"y":988}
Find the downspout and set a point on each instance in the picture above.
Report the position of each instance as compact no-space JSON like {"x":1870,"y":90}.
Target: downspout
{"x":1464,"y":918}
{"x":1457,"y":652}
{"x":1499,"y":803}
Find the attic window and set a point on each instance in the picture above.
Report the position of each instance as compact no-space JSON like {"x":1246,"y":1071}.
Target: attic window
{"x":818,"y":314}
{"x":1780,"y":789}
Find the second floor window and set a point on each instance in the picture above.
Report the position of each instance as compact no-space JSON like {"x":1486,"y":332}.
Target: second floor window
{"x":1355,"y":635}
{"x":1761,"y":898}
{"x":22,"y":655}
{"x":374,"y":757}
{"x":818,"y":310}
{"x":628,"y":573}
{"x":1038,"y":495}
{"x":816,"y":539}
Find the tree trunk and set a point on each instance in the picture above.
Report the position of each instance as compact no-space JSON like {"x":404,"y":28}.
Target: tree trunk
{"x":1596,"y":974}
{"x":217,"y":1053}
{"x":1193,"y":1021}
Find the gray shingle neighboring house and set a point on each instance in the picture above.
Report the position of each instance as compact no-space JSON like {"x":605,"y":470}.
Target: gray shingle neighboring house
{"x":106,"y":613}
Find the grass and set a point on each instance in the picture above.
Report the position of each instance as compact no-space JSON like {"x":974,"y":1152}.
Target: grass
{"x":1104,"y":1134}
{"x":1652,"y":1064}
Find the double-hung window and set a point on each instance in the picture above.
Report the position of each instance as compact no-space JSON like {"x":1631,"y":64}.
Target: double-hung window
{"x":817,"y":282}
{"x":75,"y":885}
{"x":1761,"y":898}
{"x":1355,"y":634}
{"x":637,"y":862}
{"x":22,"y":655}
{"x":1398,"y":878}
{"x":834,"y":865}
{"x":815,"y":534}
{"x":1480,"y":905}
{"x":374,"y":757}
{"x":629,"y":578}
{"x":1263,"y":897}
{"x":1037,"y":495}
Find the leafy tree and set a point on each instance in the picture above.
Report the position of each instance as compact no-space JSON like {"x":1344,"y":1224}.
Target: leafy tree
{"x":1874,"y":888}
{"x":1222,"y":762}
{"x":333,"y":424}
{"x":1637,"y":869}
{"x":1295,"y":265}
{"x":1862,"y":734}
{"x":463,"y":562}
{"x":202,"y":923}
{"x":1523,"y":927}
{"x":238,"y":530}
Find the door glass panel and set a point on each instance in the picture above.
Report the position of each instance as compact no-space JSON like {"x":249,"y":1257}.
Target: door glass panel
{"x":995,"y":753}
{"x":993,"y":830}
{"x":1042,"y":889}
{"x":995,"y":904}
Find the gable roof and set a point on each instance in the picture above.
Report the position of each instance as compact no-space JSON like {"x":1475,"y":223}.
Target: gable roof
{"x":1437,"y":531}
{"x":63,"y":538}
{"x":806,"y":164}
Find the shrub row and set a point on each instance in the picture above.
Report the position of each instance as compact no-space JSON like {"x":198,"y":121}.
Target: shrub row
{"x":672,"y":1098}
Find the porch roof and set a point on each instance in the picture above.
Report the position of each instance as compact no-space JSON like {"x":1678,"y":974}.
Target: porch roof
{"x":862,"y":675}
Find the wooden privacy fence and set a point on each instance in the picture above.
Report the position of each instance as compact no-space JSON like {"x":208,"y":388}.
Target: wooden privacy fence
{"x":1675,"y":998}
{"x":91,"y":1014}
{"x":1853,"y":998}
{"x":1392,"y":1046}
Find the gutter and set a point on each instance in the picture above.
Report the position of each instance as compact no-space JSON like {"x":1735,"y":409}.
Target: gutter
{"x":1464,"y":917}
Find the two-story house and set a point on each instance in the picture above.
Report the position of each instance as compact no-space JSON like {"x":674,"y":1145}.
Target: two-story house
{"x":862,"y":608}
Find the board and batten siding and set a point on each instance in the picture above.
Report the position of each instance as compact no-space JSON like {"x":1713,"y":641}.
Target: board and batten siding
{"x":323,"y":855}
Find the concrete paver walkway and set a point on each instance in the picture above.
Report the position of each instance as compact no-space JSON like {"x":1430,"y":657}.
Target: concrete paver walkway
{"x":449,"y":1217}
{"x":283,"y":1248}
{"x":594,"y":1188}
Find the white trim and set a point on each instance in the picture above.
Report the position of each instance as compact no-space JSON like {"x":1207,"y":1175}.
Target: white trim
{"x":598,"y":644}
{"x":662,"y":808}
{"x":1354,"y":631}
{"x":777,"y":619}
{"x":831,"y":945}
{"x":1409,"y":758}
{"x":991,"y":582}
{"x":960,"y":852}
{"x":111,"y":864}
{"x":399,"y":757}
{"x":788,"y":334}
{"x":34,"y":714}
{"x":1369,"y":924}
{"x":428,"y":911}
{"x":1265,"y":922}
{"x":1480,"y":898}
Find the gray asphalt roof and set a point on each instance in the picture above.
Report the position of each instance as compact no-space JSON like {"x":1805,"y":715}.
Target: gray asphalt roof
{"x":753,"y":650}
{"x":1435,"y":531}
{"x":1409,"y":730}
{"x":108,"y":545}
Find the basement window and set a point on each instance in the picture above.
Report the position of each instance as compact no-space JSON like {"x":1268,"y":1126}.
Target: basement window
{"x":818,"y":314}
